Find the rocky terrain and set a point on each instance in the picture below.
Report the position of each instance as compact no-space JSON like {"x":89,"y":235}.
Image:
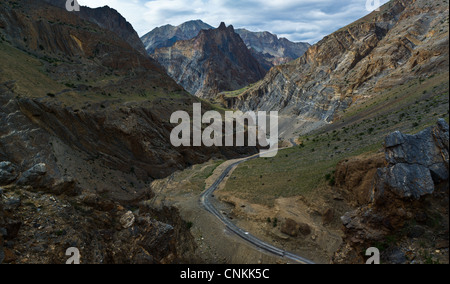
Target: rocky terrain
{"x":270,"y":50}
{"x":216,"y":60}
{"x":84,"y":112}
{"x":403,"y":41}
{"x":404,"y":211}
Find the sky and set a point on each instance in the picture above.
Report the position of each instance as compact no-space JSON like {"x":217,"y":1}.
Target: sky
{"x":296,"y":20}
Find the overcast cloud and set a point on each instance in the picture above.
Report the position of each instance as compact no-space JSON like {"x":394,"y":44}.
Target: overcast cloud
{"x":297,"y":20}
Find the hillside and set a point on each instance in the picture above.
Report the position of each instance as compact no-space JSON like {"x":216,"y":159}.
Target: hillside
{"x":404,"y":41}
{"x":84,"y":128}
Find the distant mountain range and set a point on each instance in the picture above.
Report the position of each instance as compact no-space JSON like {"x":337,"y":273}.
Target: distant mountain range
{"x":267,"y":48}
{"x":270,"y":50}
{"x":168,"y":35}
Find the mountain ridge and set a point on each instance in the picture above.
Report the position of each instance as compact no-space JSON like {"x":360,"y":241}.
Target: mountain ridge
{"x":267,"y":48}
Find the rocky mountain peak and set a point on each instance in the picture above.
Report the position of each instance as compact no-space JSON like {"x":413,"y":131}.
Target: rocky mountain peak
{"x":214,"y":61}
{"x":222,"y":26}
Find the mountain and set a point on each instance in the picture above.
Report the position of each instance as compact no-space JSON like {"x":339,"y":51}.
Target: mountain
{"x":167,"y":35}
{"x":85,"y":121}
{"x":271,"y":50}
{"x":214,"y":61}
{"x":403,"y":41}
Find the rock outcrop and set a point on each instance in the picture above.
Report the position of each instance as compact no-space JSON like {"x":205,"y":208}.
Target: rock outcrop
{"x":403,"y":41}
{"x":410,"y":187}
{"x":415,"y":163}
{"x":216,"y":60}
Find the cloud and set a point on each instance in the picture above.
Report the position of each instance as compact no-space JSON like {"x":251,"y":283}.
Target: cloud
{"x":297,"y":20}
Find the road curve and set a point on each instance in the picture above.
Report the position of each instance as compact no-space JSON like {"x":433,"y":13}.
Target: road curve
{"x":205,"y":200}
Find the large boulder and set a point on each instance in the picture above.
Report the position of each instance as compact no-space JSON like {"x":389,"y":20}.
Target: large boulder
{"x":292,"y":228}
{"x":416,"y":163}
{"x":34,"y":176}
{"x":411,"y":185}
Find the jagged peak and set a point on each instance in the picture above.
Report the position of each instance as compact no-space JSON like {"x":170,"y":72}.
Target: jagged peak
{"x":222,"y":26}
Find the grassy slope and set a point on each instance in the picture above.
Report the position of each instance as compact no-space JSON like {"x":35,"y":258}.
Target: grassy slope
{"x":31,"y":80}
{"x":361,"y":130}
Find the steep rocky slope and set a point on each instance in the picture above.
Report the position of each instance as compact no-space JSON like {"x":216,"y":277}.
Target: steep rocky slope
{"x":270,"y":50}
{"x":84,"y":113}
{"x":405,"y":40}
{"x":168,"y":35}
{"x":216,"y":60}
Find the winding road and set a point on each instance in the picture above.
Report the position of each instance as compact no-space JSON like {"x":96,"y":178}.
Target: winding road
{"x":206,"y":202}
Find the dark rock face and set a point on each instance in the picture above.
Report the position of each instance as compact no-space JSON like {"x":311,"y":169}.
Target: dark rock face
{"x":415,"y":163}
{"x":216,"y":60}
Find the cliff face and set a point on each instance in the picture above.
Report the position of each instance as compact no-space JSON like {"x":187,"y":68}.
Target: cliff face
{"x":214,"y":61}
{"x":168,"y":35}
{"x":271,"y":50}
{"x":405,"y":40}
